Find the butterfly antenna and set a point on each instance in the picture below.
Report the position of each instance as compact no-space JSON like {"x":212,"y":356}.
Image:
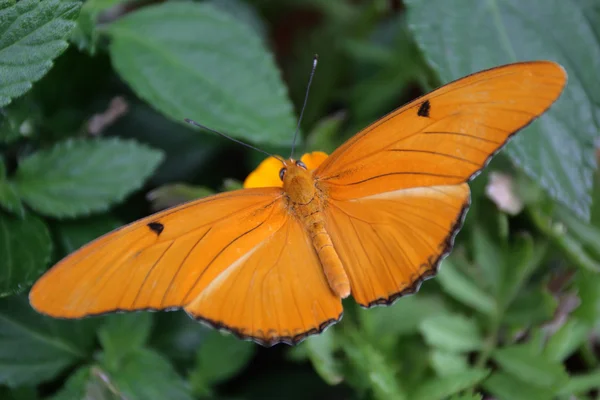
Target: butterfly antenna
{"x":312,"y":73}
{"x":190,"y":121}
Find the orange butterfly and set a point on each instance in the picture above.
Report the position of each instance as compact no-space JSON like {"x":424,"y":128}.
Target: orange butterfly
{"x":272,"y":264}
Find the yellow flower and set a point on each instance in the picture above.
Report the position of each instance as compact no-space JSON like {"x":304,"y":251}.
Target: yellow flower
{"x":267,"y":172}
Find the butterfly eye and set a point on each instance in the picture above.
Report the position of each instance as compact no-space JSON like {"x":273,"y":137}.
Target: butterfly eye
{"x":301,"y":164}
{"x":282,"y":173}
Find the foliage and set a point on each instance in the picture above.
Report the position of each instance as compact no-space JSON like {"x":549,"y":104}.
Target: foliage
{"x":93,"y":96}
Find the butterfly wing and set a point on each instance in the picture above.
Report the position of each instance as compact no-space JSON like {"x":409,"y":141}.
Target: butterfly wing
{"x":397,"y":190}
{"x":220,"y":258}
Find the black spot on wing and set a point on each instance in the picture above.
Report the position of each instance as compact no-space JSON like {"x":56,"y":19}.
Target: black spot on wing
{"x":424,"y":109}
{"x":156,"y":227}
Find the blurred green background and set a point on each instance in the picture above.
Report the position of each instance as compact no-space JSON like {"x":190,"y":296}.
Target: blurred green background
{"x":92,"y":100}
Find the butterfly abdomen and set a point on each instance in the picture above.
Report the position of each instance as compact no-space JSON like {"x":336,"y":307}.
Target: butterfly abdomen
{"x":330,"y":261}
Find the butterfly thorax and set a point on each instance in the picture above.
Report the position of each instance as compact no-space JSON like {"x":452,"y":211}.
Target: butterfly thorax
{"x":305,"y":203}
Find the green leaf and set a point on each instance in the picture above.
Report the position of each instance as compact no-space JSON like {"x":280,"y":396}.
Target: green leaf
{"x":371,"y":364}
{"x":191,"y":60}
{"x":244,"y":12}
{"x":176,"y":193}
{"x":32,"y":34}
{"x":34,"y":348}
{"x":86,"y":35}
{"x":145,"y":374}
{"x":532,"y":368}
{"x":387,"y":323}
{"x":533,"y":305}
{"x":488,"y":256}
{"x":320,"y":350}
{"x":513,"y":30}
{"x":451,"y":332}
{"x":507,"y":387}
{"x":588,"y":289}
{"x":324,"y":136}
{"x":73,"y":234}
{"x":177,"y":336}
{"x":220,"y":357}
{"x":9,"y":199}
{"x":567,"y":339}
{"x":581,"y":384}
{"x":463,"y":289}
{"x":77,"y":177}
{"x":26,"y":247}
{"x":441,"y":388}
{"x":122,"y":334}
{"x":20,"y":393}
{"x":476,"y":396}
{"x":446,"y":363}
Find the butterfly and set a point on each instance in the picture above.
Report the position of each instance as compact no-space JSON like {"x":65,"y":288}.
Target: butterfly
{"x":272,"y":264}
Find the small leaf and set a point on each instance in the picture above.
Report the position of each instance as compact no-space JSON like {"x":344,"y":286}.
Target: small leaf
{"x":588,"y":284}
{"x":220,"y":357}
{"x":530,"y":367}
{"x":77,"y":177}
{"x":441,"y":388}
{"x":85,"y":35}
{"x":371,"y":364}
{"x":567,"y":339}
{"x":581,"y":384}
{"x":26,"y":247}
{"x":73,"y":234}
{"x":488,"y":256}
{"x":122,"y":334}
{"x":145,"y":374}
{"x":320,"y":351}
{"x":34,"y":348}
{"x":446,"y":363}
{"x":191,"y":60}
{"x":32,"y":34}
{"x":509,"y":31}
{"x":75,"y":387}
{"x":177,"y":336}
{"x":507,"y":387}
{"x":451,"y":332}
{"x":463,"y":289}
{"x":533,"y":305}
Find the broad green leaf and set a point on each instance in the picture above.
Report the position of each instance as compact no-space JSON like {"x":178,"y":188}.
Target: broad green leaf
{"x":321,"y":349}
{"x":443,"y":387}
{"x":463,"y":289}
{"x":567,"y":339}
{"x":73,"y":234}
{"x":507,"y":387}
{"x":26,"y":247}
{"x":581,"y":383}
{"x":447,"y":363}
{"x":243,"y":12}
{"x":145,"y":374}
{"x":122,"y":334}
{"x":78,"y":177}
{"x":513,"y":30}
{"x":191,"y":60}
{"x":32,"y":34}
{"x":18,"y":120}
{"x":220,"y":357}
{"x":452,"y":333}
{"x":532,"y":368}
{"x":34,"y":348}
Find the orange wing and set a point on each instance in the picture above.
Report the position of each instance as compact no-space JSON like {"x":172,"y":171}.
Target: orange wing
{"x":397,"y":190}
{"x":221,"y":258}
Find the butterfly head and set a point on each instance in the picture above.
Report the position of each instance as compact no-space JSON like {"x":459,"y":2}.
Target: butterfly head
{"x":297,"y":180}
